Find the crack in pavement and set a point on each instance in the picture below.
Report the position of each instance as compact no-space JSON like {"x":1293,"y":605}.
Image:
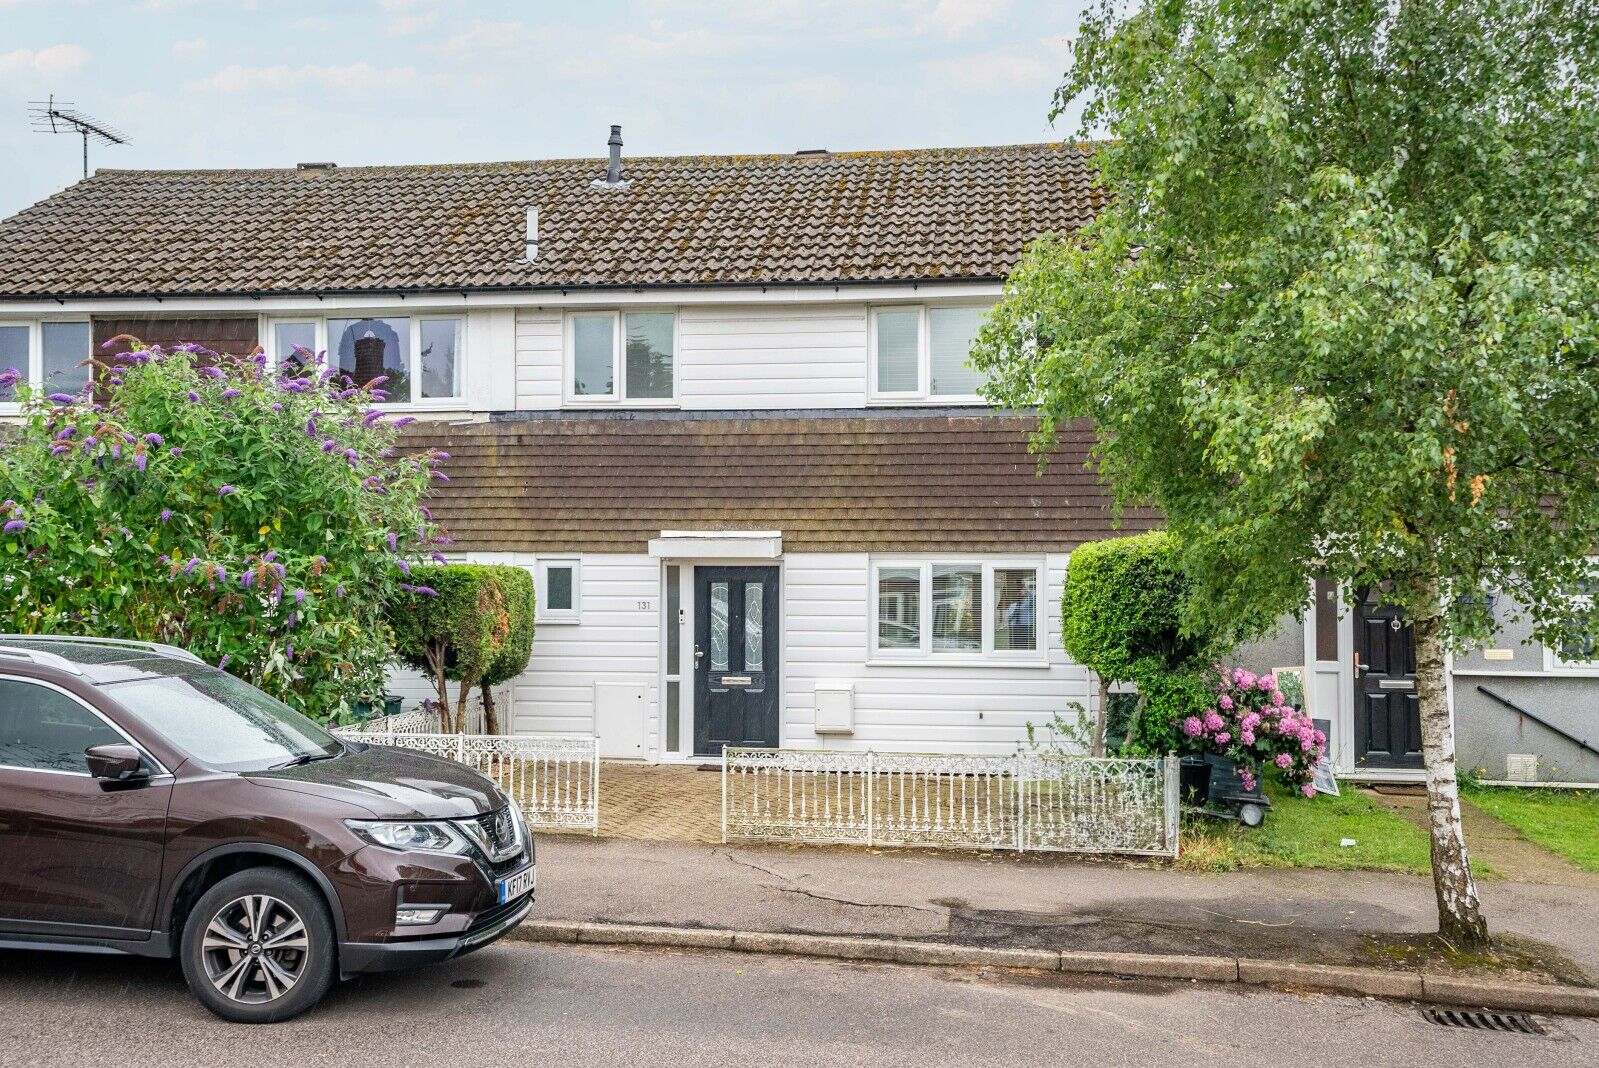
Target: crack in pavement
{"x":847,"y":901}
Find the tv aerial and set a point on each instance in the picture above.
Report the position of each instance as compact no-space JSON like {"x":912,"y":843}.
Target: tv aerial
{"x":54,"y":116}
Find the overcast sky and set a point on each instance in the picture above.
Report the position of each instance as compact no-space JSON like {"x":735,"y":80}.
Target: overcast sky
{"x":207,"y":83}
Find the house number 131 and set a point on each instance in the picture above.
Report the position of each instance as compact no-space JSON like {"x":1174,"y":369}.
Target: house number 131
{"x":646,"y":606}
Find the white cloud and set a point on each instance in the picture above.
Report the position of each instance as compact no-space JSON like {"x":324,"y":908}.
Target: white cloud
{"x":46,"y":62}
{"x":194,"y":46}
{"x":350,"y":80}
{"x":997,"y":70}
{"x":953,"y":18}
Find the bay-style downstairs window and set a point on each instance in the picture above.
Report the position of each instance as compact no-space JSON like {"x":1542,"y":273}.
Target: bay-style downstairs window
{"x":615,"y":357}
{"x":956,"y":610}
{"x":919,"y":352}
{"x":421,"y":355}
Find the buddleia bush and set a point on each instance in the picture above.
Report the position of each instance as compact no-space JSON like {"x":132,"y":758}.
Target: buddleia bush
{"x":261,"y":517}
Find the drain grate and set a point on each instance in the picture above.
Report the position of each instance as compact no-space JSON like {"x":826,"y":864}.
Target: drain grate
{"x":1518,"y":1023}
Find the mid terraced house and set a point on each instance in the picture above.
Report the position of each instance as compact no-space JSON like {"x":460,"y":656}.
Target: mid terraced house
{"x":721,"y":407}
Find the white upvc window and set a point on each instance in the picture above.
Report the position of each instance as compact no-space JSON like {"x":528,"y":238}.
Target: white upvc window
{"x":421,"y":355}
{"x":558,"y":585}
{"x":46,"y":353}
{"x":617,"y":357}
{"x":919,"y":352}
{"x":953,"y":609}
{"x":1581,"y":657}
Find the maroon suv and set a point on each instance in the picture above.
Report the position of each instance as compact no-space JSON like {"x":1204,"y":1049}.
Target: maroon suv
{"x":153,"y":805}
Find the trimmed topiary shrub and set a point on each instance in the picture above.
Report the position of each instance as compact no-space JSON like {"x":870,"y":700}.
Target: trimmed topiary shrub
{"x":454,"y":626}
{"x":1121,"y":618}
{"x":516,"y":588}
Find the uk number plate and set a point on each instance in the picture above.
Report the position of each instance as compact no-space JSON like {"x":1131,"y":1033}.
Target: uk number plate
{"x":514,"y":886}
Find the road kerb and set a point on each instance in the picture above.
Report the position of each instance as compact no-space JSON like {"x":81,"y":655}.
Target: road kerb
{"x":1355,"y":982}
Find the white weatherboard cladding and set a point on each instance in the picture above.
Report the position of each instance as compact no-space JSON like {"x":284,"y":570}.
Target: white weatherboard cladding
{"x":538,"y":360}
{"x":780,"y":357}
{"x":918,"y":707}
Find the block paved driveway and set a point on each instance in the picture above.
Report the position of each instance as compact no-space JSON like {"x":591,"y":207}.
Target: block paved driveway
{"x":664,"y":802}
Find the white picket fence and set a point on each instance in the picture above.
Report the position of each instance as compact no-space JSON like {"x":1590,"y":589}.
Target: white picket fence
{"x":555,"y":780}
{"x":1026,"y":801}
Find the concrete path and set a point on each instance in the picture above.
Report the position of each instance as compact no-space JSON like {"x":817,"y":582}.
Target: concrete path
{"x":1508,"y":852}
{"x":517,"y":1004}
{"x":1033,"y":900}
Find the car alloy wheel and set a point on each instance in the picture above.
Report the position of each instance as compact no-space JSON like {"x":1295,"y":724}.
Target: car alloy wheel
{"x":255,"y":949}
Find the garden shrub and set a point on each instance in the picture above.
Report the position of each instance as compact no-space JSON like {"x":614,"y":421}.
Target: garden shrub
{"x":1121,"y":617}
{"x":1251,"y":721}
{"x":516,"y":586}
{"x":263,"y":519}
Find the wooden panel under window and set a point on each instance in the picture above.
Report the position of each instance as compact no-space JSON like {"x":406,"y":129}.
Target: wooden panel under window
{"x":235,"y":335}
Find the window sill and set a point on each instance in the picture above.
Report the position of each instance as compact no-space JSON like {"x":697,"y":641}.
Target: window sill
{"x":907,"y":400}
{"x":556,"y":621}
{"x":596,"y":405}
{"x":956,"y":662}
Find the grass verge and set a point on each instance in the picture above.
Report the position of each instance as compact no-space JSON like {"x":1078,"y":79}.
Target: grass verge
{"x":1302,"y":832}
{"x":1562,"y":821}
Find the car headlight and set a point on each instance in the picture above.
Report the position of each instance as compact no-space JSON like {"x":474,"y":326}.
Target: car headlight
{"x":424,"y":836}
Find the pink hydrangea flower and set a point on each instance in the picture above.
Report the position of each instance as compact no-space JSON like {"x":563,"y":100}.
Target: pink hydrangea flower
{"x":1247,"y":736}
{"x":1277,"y":698}
{"x":1309,"y":790}
{"x":1193,"y":727}
{"x":1284,"y":761}
{"x":1213,"y":722}
{"x":1225,"y":702}
{"x":1267,"y":683}
{"x":1223,"y":738}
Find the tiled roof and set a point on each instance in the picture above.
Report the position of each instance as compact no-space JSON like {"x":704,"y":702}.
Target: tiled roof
{"x":858,"y":483}
{"x":686,"y":220}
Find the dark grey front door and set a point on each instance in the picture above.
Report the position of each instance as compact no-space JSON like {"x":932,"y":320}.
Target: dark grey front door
{"x":1387,"y":714}
{"x":735,"y":658}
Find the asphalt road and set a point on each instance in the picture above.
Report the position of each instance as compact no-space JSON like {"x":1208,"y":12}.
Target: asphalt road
{"x":520,"y":1004}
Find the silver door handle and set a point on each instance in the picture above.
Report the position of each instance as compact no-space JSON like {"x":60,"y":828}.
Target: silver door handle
{"x":735,"y":680}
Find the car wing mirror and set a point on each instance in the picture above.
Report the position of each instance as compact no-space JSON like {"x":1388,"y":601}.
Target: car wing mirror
{"x":116,"y":763}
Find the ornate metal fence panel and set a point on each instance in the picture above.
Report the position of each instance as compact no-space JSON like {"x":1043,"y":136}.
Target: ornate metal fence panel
{"x":1022,"y":801}
{"x":1088,"y":805}
{"x":417,"y":721}
{"x":555,"y":780}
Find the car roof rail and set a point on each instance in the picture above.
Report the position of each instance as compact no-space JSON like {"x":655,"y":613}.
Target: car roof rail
{"x":44,"y":659}
{"x":159,"y":648}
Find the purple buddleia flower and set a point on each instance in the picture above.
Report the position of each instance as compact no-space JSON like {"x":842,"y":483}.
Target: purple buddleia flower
{"x":351,"y":454}
{"x":66,"y":432}
{"x":310,"y":428}
{"x":59,"y":449}
{"x":438,"y":557}
{"x":194,"y":398}
{"x":230,"y":393}
{"x":443,"y":540}
{"x":276,"y":407}
{"x":372,"y":416}
{"x":222,"y":573}
{"x":116,"y":452}
{"x":62,"y":398}
{"x":214,"y":372}
{"x":427,"y":512}
{"x":223,"y":491}
{"x":440,"y":454}
{"x":270,"y":555}
{"x":14,"y":525}
{"x":299,"y":596}
{"x":10,"y":377}
{"x":166,"y":514}
{"x":394,"y":542}
{"x":194,"y":562}
{"x":224,"y":661}
{"x":155,"y":439}
{"x":386,"y":453}
{"x":405,"y":567}
{"x":139,"y":461}
{"x":90,"y":442}
{"x":338,"y":591}
{"x":247,"y":579}
{"x":175,"y":451}
{"x":329,"y":445}
{"x":404,"y":420}
{"x":440,"y":475}
{"x":426,"y":591}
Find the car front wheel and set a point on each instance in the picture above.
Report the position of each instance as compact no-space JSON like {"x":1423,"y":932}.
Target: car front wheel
{"x":259,"y":947}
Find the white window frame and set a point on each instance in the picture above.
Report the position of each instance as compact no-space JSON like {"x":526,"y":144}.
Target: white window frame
{"x":35,"y":368}
{"x":923,"y":393}
{"x":618,"y":396}
{"x":541,"y":573}
{"x":415,"y":319}
{"x":1555,"y":664}
{"x":1038,"y":656}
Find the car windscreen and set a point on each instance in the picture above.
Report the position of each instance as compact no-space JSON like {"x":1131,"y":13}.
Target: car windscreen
{"x":224,"y":722}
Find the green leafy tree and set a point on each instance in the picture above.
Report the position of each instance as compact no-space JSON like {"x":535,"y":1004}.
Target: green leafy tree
{"x":1341,"y":315}
{"x":454,"y":626}
{"x":516,"y":587}
{"x":261,"y":519}
{"x":1121,"y":617}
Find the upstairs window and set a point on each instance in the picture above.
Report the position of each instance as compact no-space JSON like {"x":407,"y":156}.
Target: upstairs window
{"x":920,"y":353}
{"x":420,"y":355}
{"x":621,"y":357}
{"x":47,"y":354}
{"x":956,"y":610}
